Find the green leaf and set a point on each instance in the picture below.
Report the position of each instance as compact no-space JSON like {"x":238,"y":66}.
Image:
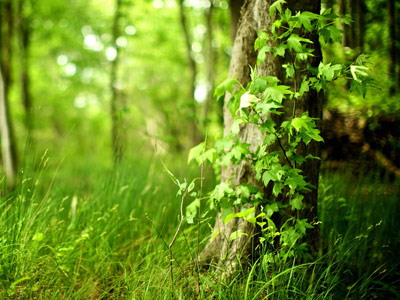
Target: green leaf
{"x":237,"y":234}
{"x":277,"y":189}
{"x":276,"y":92}
{"x":258,"y":86}
{"x":268,"y":126}
{"x":302,"y":225}
{"x":297,"y":202}
{"x":228,"y":85}
{"x":196,"y":152}
{"x":235,"y":128}
{"x":210,"y":155}
{"x":191,"y":211}
{"x":298,"y":123}
{"x":265,"y":108}
{"x":230,"y":217}
{"x":289,"y":71}
{"x":215,"y":234}
{"x":269,"y":176}
{"x":294,"y":42}
{"x":336,"y":34}
{"x":277,"y":5}
{"x":304,"y":20}
{"x":261,"y":55}
{"x":261,"y":40}
{"x":304,"y":87}
{"x":280,"y":50}
{"x":327,"y":71}
{"x":224,"y":144}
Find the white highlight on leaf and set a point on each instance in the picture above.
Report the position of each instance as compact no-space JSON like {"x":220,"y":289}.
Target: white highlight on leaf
{"x":358,"y":69}
{"x":247,"y":99}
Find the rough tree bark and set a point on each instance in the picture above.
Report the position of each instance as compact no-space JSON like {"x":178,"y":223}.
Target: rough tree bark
{"x":254,"y":17}
{"x":236,"y":5}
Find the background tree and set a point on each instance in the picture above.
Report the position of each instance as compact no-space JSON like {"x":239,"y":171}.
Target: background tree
{"x":117,"y":107}
{"x":8,"y":144}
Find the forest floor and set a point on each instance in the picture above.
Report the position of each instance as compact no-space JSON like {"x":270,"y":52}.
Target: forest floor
{"x":85,"y":233}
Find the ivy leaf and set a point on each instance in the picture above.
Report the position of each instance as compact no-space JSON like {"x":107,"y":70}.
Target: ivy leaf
{"x":298,"y":123}
{"x":327,"y":71}
{"x":261,"y":40}
{"x":280,"y":50}
{"x":196,"y":152}
{"x":289,"y":70}
{"x":258,"y":86}
{"x":302,"y":225}
{"x":294,"y":42}
{"x":305,"y":21}
{"x":220,"y":191}
{"x":336,"y":34}
{"x":265,"y":108}
{"x":270,"y":209}
{"x":268,"y":126}
{"x":269,"y":176}
{"x":210,"y":155}
{"x":240,"y":150}
{"x":225,"y":143}
{"x":297,"y":202}
{"x":191,"y":211}
{"x":226,"y":86}
{"x":277,"y":189}
{"x":304,"y":87}
{"x":277,"y":5}
{"x":235,"y":128}
{"x":261,"y":55}
{"x":276,"y":92}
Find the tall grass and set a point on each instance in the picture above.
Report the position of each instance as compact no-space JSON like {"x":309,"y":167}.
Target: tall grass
{"x":92,"y":233}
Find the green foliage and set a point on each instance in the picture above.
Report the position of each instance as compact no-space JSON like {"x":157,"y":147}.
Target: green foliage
{"x":263,"y":97}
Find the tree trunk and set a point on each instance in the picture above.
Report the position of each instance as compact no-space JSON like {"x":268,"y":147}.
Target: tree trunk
{"x":361,"y":10}
{"x":9,"y":149}
{"x":6,"y":136}
{"x":193,"y":72}
{"x":116,"y":109}
{"x":236,"y":5}
{"x":229,"y":254}
{"x":347,"y":37}
{"x":24,"y":41}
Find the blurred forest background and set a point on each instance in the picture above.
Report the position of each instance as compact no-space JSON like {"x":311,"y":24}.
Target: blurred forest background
{"x":95,"y":93}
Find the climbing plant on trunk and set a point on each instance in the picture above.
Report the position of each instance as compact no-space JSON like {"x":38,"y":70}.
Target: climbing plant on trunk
{"x":269,"y":154}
